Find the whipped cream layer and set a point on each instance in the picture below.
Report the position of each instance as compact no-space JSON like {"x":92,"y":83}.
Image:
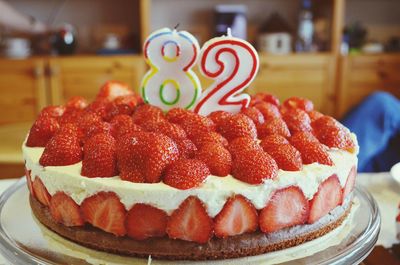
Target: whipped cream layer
{"x":213,"y":192}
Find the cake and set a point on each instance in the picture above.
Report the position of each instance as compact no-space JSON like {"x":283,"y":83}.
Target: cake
{"x":122,"y":176}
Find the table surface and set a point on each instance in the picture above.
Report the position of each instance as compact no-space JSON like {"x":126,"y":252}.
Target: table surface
{"x":386,"y":192}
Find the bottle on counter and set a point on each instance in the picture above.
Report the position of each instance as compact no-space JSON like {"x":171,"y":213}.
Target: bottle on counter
{"x":305,"y":31}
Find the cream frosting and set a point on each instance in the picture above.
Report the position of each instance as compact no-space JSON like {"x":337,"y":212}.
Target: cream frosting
{"x":213,"y":192}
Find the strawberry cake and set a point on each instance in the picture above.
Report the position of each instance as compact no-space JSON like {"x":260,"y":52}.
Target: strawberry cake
{"x":124,"y":177}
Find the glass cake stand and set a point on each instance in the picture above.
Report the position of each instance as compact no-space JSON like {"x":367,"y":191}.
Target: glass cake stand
{"x":24,"y":241}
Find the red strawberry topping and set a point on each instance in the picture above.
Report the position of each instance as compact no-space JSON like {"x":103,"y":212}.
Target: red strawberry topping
{"x":287,"y":157}
{"x":242,"y":145}
{"x":42,"y":131}
{"x":254,"y":167}
{"x":328,"y":196}
{"x":298,"y":103}
{"x":40,"y":192}
{"x":145,"y":221}
{"x":297,"y":120}
{"x":113,"y":89}
{"x":238,"y":125}
{"x":52,"y":111}
{"x":99,"y":157}
{"x":123,"y":124}
{"x":177,"y":115}
{"x":272,"y":141}
{"x":259,"y":97}
{"x":76,"y":103}
{"x":207,"y":137}
{"x":315,"y":115}
{"x":237,"y":217}
{"x":190,"y":222}
{"x":147,"y":115}
{"x":105,"y":211}
{"x":287,"y":207}
{"x":195,"y":124}
{"x":64,"y":210}
{"x":186,"y":147}
{"x":63,"y":149}
{"x":186,"y":173}
{"x":269,"y":111}
{"x":255,"y":115}
{"x":311,"y":150}
{"x":273,"y":126}
{"x":351,"y":181}
{"x":174,"y":131}
{"x":219,"y":116}
{"x":217,"y":158}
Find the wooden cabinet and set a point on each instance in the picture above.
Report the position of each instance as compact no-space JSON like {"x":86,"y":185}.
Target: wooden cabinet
{"x":307,"y":76}
{"x":23,"y":89}
{"x":84,"y":76}
{"x":364,"y":74}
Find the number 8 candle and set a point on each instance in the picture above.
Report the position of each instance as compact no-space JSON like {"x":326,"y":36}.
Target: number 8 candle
{"x":232,"y":63}
{"x":170,"y":81}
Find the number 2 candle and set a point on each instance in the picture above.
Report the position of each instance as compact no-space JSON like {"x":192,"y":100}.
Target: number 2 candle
{"x":232,"y":63}
{"x":170,"y":81}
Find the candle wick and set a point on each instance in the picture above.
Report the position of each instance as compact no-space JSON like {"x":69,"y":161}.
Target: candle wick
{"x":176,"y":26}
{"x":229,"y":32}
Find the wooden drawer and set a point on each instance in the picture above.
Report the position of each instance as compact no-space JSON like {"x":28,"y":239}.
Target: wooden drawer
{"x":84,"y":75}
{"x":307,"y":76}
{"x":365,"y":74}
{"x":23,"y":90}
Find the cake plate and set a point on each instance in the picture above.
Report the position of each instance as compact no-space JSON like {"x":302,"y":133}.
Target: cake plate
{"x":24,"y":241}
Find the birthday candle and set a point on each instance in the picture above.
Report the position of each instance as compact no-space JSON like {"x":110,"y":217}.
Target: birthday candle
{"x":170,"y":82}
{"x":232,"y":63}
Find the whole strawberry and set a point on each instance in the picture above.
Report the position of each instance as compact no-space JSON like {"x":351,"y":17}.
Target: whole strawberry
{"x":254,"y":167}
{"x":217,"y":158}
{"x":311,"y":150}
{"x":146,"y":115}
{"x":63,"y":148}
{"x":273,"y":126}
{"x":112,"y":90}
{"x":242,"y":145}
{"x":297,"y":120}
{"x":255,"y":115}
{"x":205,"y":137}
{"x":123,"y":124}
{"x":99,"y":157}
{"x":186,"y":173}
{"x":298,"y":103}
{"x":268,"y":110}
{"x":238,"y":125}
{"x":41,"y":131}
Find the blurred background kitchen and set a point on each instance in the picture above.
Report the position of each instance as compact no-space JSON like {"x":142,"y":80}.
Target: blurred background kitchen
{"x":335,"y":52}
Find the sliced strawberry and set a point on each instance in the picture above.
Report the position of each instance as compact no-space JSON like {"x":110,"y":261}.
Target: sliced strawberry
{"x":237,"y":217}
{"x":219,"y":116}
{"x":286,"y":156}
{"x":64,"y":210}
{"x":255,"y":115}
{"x":297,"y":120}
{"x":269,"y":111}
{"x":99,"y":157}
{"x":328,"y":196}
{"x":286,"y":208}
{"x":29,"y":180}
{"x":42,"y":131}
{"x":76,"y":103}
{"x":123,"y":124}
{"x":40,"y":192}
{"x":206,"y":137}
{"x":146,"y":115}
{"x":105,"y":211}
{"x":217,"y":158}
{"x":186,"y":173}
{"x":311,"y":150}
{"x":187,"y":149}
{"x":190,"y":222}
{"x":298,"y":103}
{"x":238,"y":125}
{"x":145,"y":221}
{"x":272,"y":141}
{"x":350,"y":182}
{"x":113,"y":89}
{"x":243,"y":145}
{"x":273,"y":126}
{"x":254,"y":167}
{"x":63,"y":149}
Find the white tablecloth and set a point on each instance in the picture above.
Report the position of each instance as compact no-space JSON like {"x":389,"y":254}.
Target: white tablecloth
{"x":382,"y":186}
